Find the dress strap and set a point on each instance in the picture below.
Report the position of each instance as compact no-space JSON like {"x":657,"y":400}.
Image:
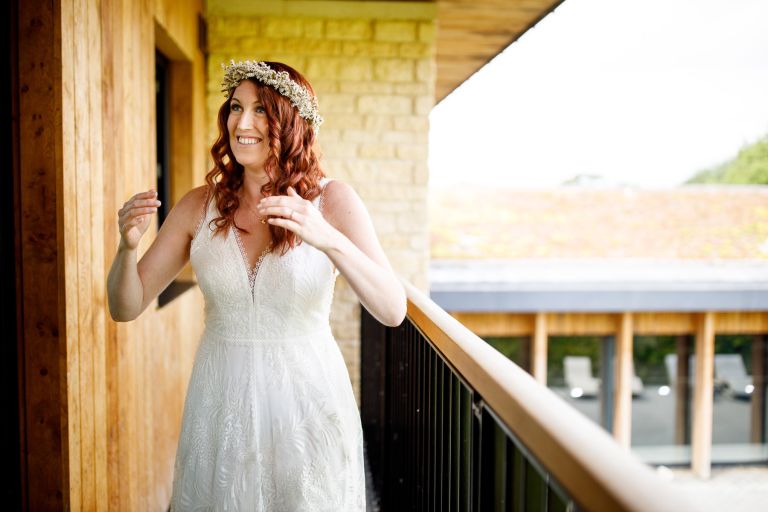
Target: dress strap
{"x":323,"y":182}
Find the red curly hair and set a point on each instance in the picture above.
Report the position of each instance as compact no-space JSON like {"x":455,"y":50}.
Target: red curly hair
{"x":293,"y":160}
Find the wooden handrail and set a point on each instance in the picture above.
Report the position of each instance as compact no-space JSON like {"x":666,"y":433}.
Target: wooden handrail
{"x":597,"y":472}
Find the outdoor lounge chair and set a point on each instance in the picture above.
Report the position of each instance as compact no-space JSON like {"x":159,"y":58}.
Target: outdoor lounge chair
{"x":578,"y":376}
{"x":729,"y":368}
{"x":719,"y":384}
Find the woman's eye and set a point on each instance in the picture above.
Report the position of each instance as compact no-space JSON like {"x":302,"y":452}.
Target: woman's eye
{"x":235,"y":107}
{"x":260,"y":110}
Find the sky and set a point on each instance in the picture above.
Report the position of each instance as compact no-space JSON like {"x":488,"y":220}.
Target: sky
{"x":639,"y":92}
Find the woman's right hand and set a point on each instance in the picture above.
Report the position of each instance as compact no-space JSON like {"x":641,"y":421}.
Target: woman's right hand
{"x":134,"y":216}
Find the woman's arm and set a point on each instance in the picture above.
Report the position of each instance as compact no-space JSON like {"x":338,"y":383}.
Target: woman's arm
{"x":345,"y":233}
{"x":358,"y":255}
{"x":132,"y":285}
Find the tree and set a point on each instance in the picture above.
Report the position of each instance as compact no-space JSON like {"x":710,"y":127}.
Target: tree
{"x":750,"y":166}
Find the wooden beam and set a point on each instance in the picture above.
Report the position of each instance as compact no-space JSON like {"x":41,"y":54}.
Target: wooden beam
{"x":701,"y":439}
{"x":539,"y":349}
{"x":496,"y":324}
{"x":622,"y":412}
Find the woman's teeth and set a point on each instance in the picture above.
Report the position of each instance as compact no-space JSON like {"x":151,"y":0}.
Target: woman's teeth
{"x":248,"y":140}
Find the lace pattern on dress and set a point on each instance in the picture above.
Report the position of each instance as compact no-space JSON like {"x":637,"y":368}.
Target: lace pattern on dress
{"x":255,"y":270}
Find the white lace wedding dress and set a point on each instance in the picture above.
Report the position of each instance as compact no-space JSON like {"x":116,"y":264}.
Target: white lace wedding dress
{"x":270,"y":421}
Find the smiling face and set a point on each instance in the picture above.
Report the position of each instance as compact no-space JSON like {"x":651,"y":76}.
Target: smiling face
{"x":248,"y":128}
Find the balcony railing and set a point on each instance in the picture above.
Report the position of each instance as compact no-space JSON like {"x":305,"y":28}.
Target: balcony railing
{"x":451,"y":424}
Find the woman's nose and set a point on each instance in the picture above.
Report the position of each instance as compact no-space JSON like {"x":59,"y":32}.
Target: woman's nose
{"x":245,"y":121}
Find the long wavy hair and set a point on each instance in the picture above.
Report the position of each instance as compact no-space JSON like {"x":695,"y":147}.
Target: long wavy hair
{"x":292,"y":159}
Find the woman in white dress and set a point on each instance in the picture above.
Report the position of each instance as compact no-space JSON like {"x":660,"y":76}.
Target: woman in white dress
{"x":270,"y":421}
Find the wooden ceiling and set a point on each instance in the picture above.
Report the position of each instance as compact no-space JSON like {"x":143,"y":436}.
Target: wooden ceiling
{"x":471,"y":32}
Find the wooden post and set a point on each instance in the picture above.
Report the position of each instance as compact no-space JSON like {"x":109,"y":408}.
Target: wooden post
{"x":539,"y":349}
{"x":701,"y":441}
{"x":622,"y":397}
{"x":682,"y":394}
{"x":758,"y":395}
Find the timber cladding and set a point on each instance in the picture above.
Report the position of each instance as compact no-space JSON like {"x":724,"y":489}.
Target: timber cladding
{"x":101,"y":402}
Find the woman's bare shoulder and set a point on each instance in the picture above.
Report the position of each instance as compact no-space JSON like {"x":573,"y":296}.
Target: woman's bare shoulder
{"x":342,"y":206}
{"x":190,"y":209}
{"x":339,"y":197}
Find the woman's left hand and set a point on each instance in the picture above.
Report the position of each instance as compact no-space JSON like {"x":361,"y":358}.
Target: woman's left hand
{"x":295,"y":213}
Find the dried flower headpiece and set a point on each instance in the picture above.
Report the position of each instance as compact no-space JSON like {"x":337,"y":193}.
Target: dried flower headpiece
{"x":281,"y":81}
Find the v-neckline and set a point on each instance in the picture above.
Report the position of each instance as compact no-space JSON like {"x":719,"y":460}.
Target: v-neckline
{"x":250,"y":272}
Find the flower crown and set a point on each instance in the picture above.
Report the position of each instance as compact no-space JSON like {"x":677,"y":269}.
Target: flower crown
{"x":281,"y":81}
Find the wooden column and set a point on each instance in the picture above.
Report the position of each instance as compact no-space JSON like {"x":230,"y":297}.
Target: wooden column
{"x":701,"y":441}
{"x":539,"y":349}
{"x":758,"y":395}
{"x":682,"y":393}
{"x":622,"y":398}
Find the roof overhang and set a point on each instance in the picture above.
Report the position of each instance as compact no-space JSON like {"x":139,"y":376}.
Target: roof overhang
{"x":598,"y":285}
{"x":472,"y":32}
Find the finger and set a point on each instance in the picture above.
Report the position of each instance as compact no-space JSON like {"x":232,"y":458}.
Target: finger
{"x":285,"y":223}
{"x":147,"y":202}
{"x":292,"y":192}
{"x":136,"y":212}
{"x":282,"y":211}
{"x":149,"y":193}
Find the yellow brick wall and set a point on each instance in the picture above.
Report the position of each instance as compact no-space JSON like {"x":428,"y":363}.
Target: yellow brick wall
{"x":375,"y":82}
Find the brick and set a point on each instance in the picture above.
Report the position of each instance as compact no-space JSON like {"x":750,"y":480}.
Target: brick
{"x":416,"y":50}
{"x":232,"y":26}
{"x":378,"y":123}
{"x":295,"y":61}
{"x":348,"y":29}
{"x":425,"y":70}
{"x":376,"y":150}
{"x":339,"y":149}
{"x":427,"y":31}
{"x":384,"y":105}
{"x":330,"y":134}
{"x":414,"y":89}
{"x":259,"y":45}
{"x":311,"y":46}
{"x":394,"y":70}
{"x":355,"y":69}
{"x":411,"y":123}
{"x":352,"y":121}
{"x":395,"y":31}
{"x":314,"y":28}
{"x":341,"y":103}
{"x":281,"y":27}
{"x":326,"y":86}
{"x":405,"y":137}
{"x":395,"y":172}
{"x":423,"y":105}
{"x":412,"y":152}
{"x":352,"y":135}
{"x":366,"y":87}
{"x":369,"y":49}
{"x":323,"y":69}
